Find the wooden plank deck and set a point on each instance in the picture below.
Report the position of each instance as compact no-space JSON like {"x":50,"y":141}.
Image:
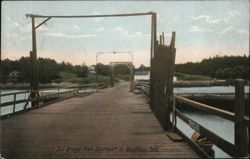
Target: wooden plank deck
{"x":110,"y":124}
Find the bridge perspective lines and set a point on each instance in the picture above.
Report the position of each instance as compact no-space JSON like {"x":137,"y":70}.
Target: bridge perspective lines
{"x":111,"y":123}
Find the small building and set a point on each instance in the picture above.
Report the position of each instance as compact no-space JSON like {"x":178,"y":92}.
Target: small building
{"x":175,"y":78}
{"x":142,"y":75}
{"x":15,"y":76}
{"x":145,"y":75}
{"x":91,"y":69}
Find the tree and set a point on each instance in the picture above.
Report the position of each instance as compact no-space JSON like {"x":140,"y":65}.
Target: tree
{"x":121,"y":69}
{"x":48,"y":70}
{"x":81,"y":71}
{"x":225,"y":67}
{"x":102,"y":69}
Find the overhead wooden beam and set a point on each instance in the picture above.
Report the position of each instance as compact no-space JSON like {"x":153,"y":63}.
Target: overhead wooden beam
{"x":43,"y":22}
{"x":89,"y":16}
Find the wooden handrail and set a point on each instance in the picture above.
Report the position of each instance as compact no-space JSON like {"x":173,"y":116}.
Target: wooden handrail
{"x":14,"y":102}
{"x":40,"y":99}
{"x":13,"y":93}
{"x":240,"y":148}
{"x":220,"y":112}
{"x":216,"y":111}
{"x":217,"y":140}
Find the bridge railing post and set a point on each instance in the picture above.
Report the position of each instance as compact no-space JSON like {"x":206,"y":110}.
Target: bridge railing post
{"x":14,"y":106}
{"x":241,"y":135}
{"x":174,"y":121}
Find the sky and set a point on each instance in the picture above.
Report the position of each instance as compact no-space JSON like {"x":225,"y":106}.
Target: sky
{"x":203,"y":29}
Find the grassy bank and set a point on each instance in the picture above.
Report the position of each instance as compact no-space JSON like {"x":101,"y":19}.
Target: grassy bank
{"x":189,"y":77}
{"x":73,"y":78}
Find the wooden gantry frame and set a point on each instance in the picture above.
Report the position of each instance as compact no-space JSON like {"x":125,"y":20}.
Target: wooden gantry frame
{"x":34,"y":81}
{"x":131,"y":69}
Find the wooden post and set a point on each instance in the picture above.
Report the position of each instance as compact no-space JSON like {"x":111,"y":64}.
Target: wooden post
{"x":169,"y":85}
{"x":111,"y":75}
{"x":131,"y":68}
{"x":172,"y":43}
{"x":241,"y":141}
{"x":174,"y":115}
{"x":58,"y":92}
{"x":34,"y":66}
{"x":14,"y":106}
{"x":153,"y":49}
{"x":163,"y":38}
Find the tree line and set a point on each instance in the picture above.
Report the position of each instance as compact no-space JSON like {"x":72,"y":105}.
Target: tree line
{"x":50,"y":70}
{"x":220,"y":67}
{"x":225,"y":67}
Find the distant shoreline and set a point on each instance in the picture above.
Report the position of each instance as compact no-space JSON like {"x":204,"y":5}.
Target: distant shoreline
{"x":41,"y":86}
{"x":208,"y":83}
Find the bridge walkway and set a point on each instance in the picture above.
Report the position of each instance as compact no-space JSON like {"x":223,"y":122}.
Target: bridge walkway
{"x":111,"y":123}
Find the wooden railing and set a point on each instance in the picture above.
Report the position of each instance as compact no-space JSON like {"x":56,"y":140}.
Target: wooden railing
{"x":45,"y":97}
{"x":240,"y":146}
{"x":143,"y":88}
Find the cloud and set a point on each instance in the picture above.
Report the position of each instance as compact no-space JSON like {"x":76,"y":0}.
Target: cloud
{"x":78,"y":36}
{"x":199,"y":29}
{"x":231,"y":29}
{"x":195,"y":29}
{"x":120,"y":30}
{"x":95,"y":13}
{"x":100,"y":29}
{"x":8,"y":19}
{"x":229,"y":16}
{"x":76,"y":27}
{"x":97,"y":19}
{"x":16,"y":24}
{"x":160,"y":18}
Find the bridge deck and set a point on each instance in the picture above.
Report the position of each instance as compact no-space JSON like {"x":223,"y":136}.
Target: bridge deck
{"x":112,"y":123}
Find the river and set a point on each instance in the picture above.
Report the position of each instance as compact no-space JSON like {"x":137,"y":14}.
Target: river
{"x":222,"y":127}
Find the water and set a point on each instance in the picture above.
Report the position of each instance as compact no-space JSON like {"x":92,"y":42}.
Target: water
{"x":19,"y":107}
{"x":221,"y":127}
{"x":213,"y":89}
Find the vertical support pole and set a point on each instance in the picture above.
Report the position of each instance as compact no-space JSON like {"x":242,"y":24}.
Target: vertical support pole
{"x":111,"y":75}
{"x":172,"y":43}
{"x":153,"y":49}
{"x":58,"y":92}
{"x":241,"y":141}
{"x":174,"y":115}
{"x":96,"y":56}
{"x":151,"y":56}
{"x":14,"y":106}
{"x":163,"y":38}
{"x":131,"y":77}
{"x":110,"y":72}
{"x":34,"y":66}
{"x":169,"y":84}
{"x":155,"y":31}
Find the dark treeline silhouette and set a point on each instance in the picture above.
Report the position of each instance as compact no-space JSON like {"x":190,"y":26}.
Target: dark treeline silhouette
{"x":49,"y":70}
{"x":226,"y":67}
{"x":143,"y":68}
{"x":221,"y":67}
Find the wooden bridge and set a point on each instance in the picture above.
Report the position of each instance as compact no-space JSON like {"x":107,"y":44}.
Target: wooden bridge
{"x":111,"y":123}
{"x":115,"y":122}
